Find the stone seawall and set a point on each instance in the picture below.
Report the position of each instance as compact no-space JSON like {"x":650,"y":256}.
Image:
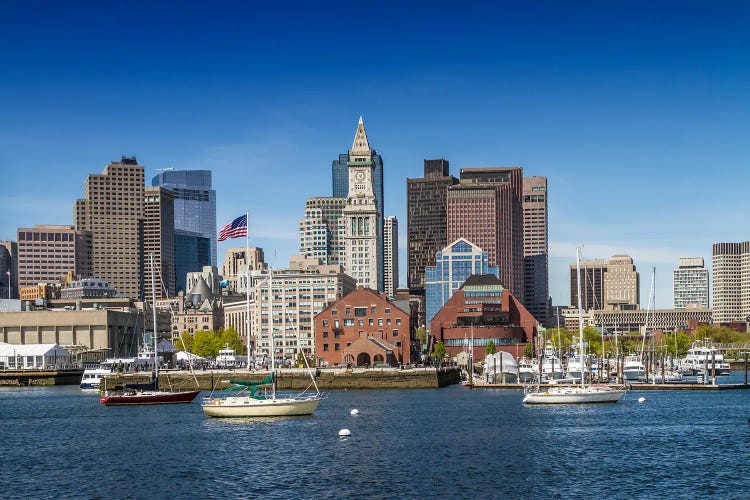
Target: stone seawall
{"x":40,"y":377}
{"x":298,"y":379}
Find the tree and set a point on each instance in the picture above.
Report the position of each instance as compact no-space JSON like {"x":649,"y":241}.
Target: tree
{"x":491,"y":349}
{"x":232,"y":338}
{"x":528,"y":351}
{"x":186,"y":342}
{"x":206,"y":343}
{"x":421,"y":335}
{"x":440,"y":351}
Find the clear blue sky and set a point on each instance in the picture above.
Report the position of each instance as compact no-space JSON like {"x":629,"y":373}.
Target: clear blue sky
{"x":636,"y":111}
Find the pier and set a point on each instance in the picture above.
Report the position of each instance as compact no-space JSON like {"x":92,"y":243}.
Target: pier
{"x":70,"y":376}
{"x":678,"y":386}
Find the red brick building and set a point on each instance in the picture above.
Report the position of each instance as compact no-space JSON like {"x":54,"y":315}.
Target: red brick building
{"x":363,"y":328}
{"x":486,"y":311}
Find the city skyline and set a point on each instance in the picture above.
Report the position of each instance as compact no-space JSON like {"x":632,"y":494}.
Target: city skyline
{"x":637,"y":121}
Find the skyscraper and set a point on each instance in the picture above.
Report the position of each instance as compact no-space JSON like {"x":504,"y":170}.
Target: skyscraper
{"x":622,"y":284}
{"x":453,"y":265}
{"x":486,"y":209}
{"x":690,"y":283}
{"x":47,"y":253}
{"x":112,"y":209}
{"x":731,"y":277}
{"x":8,"y":270}
{"x":363,"y":226}
{"x":426,"y":200}
{"x":191,"y":252}
{"x":535,"y":247}
{"x":194,"y":209}
{"x":341,"y":176}
{"x":321,"y":232}
{"x":592,"y":284}
{"x":158,"y":239}
{"x":390,"y":258}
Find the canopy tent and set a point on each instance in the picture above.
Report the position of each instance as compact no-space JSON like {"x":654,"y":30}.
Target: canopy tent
{"x":185,"y":356}
{"x":40,"y":356}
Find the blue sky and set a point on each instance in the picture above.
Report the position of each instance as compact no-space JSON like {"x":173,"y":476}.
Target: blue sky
{"x":637,"y":112}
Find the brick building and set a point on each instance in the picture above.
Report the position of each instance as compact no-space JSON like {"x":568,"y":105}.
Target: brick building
{"x":483,"y":310}
{"x":364,"y":328}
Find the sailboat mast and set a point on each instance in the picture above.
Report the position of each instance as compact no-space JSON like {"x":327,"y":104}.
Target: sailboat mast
{"x":580,"y":311}
{"x":153,"y":307}
{"x":271,"y":321}
{"x":247,"y":287}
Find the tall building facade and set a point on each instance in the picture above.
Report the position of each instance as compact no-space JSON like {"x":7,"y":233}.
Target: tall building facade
{"x":622,"y":284}
{"x":321,"y":232}
{"x":363,"y":226}
{"x":194,"y":208}
{"x":112,"y":210}
{"x":690,"y":283}
{"x":341,"y":176}
{"x":237,"y":261}
{"x":158,"y":240}
{"x":731,"y":278}
{"x":453,"y":266}
{"x":191,"y":252}
{"x":390,"y":257}
{"x":426,"y":232}
{"x":592,"y":284}
{"x":299,"y":292}
{"x":486,"y":209}
{"x":8,"y":270}
{"x":536,"y":247}
{"x":48,"y":253}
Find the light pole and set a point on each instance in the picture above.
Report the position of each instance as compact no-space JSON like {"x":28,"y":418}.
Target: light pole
{"x":9,"y":286}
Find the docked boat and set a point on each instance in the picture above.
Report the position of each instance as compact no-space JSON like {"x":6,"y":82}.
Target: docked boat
{"x":574,"y":394}
{"x":92,"y":377}
{"x":633,"y":369}
{"x":244,"y":399}
{"x":147,"y":394}
{"x":500,"y":368}
{"x":702,"y":358}
{"x":527,"y":370}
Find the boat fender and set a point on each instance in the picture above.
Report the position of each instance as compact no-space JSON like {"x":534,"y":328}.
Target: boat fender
{"x":354,"y":412}
{"x":641,"y":399}
{"x":344,"y":433}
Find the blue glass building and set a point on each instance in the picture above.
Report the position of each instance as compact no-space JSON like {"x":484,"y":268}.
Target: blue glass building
{"x":453,"y":265}
{"x":191,"y":252}
{"x":194,"y":213}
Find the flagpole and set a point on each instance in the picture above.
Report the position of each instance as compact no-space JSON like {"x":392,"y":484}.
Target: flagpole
{"x":247,"y":285}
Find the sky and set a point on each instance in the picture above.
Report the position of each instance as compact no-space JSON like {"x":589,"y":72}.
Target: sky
{"x":637,"y":112}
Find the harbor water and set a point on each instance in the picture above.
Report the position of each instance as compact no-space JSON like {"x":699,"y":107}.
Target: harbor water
{"x":58,"y":442}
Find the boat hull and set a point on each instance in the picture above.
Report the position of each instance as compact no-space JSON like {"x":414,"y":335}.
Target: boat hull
{"x":148,"y":398}
{"x":574,"y":395}
{"x":241,"y":406}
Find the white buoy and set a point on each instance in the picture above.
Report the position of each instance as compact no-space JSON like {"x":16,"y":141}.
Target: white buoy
{"x":345,"y":433}
{"x":354,"y":411}
{"x":641,"y":399}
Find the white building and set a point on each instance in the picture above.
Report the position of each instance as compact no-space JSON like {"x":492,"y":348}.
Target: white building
{"x":33,"y":356}
{"x":390,"y":255}
{"x":361,"y":215}
{"x":690,"y":283}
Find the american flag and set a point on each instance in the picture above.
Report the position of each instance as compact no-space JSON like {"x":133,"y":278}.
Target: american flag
{"x":235,"y":229}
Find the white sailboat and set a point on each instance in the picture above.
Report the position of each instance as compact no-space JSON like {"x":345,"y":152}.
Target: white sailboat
{"x":574,"y":394}
{"x":243,"y":399}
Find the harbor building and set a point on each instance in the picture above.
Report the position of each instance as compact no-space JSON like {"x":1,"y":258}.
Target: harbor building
{"x":236,"y":265}
{"x":486,"y":209}
{"x":209,"y":275}
{"x":46,"y":253}
{"x":87,"y":288}
{"x":300,"y":292}
{"x":363,"y":225}
{"x":341,"y":176}
{"x":426,"y":231}
{"x":536,"y":247}
{"x":690,"y":283}
{"x":453,"y":266}
{"x":158,"y":240}
{"x":112,"y":211}
{"x":364,"y":328}
{"x":321,"y":232}
{"x":194,"y":215}
{"x":115,"y":331}
{"x":731,"y":282}
{"x":639,"y":320}
{"x":200,"y":309}
{"x":390,"y":258}
{"x":482,"y":310}
{"x":42,"y":291}
{"x":8,"y":270}
{"x":235,"y":316}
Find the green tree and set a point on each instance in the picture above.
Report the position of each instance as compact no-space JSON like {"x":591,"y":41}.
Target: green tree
{"x":440,"y":351}
{"x":720,"y":334}
{"x":678,"y":342}
{"x":528,"y":351}
{"x":232,"y":338}
{"x":491,"y":349}
{"x":421,"y":335}
{"x":185,"y":342}
{"x":206,"y":343}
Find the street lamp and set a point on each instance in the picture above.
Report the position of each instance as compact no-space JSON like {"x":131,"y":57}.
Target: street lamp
{"x":9,"y":286}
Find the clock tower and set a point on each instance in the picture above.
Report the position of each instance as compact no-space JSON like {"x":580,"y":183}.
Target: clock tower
{"x":363,"y":227}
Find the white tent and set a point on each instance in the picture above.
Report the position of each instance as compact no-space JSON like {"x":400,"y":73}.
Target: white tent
{"x":33,"y":356}
{"x":185,"y":356}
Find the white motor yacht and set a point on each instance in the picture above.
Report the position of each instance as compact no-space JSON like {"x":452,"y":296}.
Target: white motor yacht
{"x":702,"y":358}
{"x":633,"y":369}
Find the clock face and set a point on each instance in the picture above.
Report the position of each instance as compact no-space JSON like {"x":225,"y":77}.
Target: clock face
{"x":360,"y":176}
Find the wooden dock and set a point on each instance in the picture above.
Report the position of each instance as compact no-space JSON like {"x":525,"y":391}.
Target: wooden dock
{"x":680,"y":386}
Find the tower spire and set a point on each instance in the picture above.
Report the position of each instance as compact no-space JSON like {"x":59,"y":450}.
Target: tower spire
{"x":360,"y":146}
